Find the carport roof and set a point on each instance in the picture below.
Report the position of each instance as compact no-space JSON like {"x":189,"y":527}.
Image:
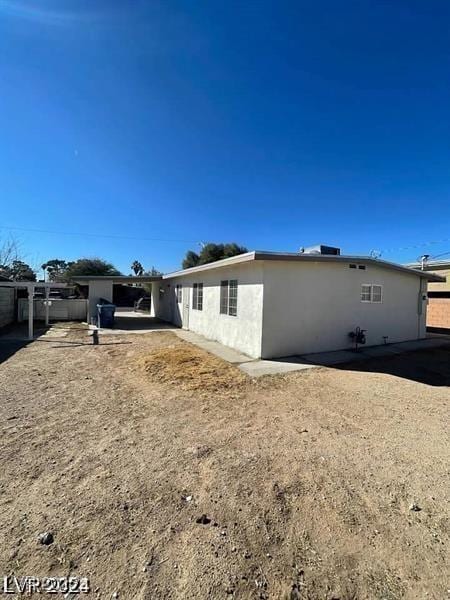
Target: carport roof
{"x":298,"y":257}
{"x":117,"y":278}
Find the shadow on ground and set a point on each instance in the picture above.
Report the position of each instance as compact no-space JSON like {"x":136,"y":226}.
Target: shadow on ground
{"x":430,"y":366}
{"x":12,"y":339}
{"x":132,"y":321}
{"x":9,"y":347}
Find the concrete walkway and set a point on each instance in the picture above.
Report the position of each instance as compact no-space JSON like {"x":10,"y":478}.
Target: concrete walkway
{"x":257,"y":367}
{"x":224,"y":352}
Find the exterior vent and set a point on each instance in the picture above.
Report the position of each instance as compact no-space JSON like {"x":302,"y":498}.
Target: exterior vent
{"x":321,"y":249}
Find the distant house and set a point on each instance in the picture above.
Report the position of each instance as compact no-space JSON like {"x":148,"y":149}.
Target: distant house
{"x":438,"y":313}
{"x":269,"y":304}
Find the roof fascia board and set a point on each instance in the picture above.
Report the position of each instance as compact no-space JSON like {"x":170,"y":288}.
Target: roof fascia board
{"x":284,"y":256}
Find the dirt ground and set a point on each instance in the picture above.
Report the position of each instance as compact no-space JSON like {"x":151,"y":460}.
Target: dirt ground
{"x":302,"y":483}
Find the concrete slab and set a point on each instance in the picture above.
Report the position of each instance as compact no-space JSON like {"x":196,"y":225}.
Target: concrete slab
{"x":421,"y":344}
{"x":325,"y":359}
{"x":224,"y":352}
{"x":379,"y":351}
{"x":257,"y":368}
{"x":410,"y":346}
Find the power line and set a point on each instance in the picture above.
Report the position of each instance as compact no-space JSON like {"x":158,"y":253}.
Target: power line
{"x":415,"y":246}
{"x":377,"y":251}
{"x":99,"y":235}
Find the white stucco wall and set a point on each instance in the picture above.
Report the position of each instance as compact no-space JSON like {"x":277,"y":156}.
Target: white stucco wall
{"x":97,"y":290}
{"x":243,"y":332}
{"x":311,"y":307}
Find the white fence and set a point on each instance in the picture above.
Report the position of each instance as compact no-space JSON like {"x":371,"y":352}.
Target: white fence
{"x":60,"y":309}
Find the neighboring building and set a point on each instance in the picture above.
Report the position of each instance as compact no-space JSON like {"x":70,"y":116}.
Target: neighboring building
{"x":269,"y":304}
{"x":7,"y":303}
{"x":438,"y":313}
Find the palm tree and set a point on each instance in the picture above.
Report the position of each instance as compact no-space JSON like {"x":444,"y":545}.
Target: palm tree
{"x":137,"y":268}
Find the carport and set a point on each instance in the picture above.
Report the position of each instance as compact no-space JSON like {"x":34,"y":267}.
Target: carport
{"x":101,"y":286}
{"x":31,"y":286}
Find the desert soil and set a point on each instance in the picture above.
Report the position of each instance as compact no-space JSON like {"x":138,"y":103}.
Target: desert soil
{"x":303,"y":483}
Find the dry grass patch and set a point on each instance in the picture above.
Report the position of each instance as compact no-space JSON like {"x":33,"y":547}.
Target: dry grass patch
{"x":192,"y":369}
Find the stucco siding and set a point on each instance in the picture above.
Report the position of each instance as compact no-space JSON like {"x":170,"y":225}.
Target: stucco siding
{"x":311,"y":307}
{"x":97,"y":290}
{"x":242,"y":332}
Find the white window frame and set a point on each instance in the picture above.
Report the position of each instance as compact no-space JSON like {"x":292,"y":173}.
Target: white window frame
{"x":380,"y":301}
{"x":197,"y":296}
{"x":179,"y":292}
{"x":371,"y":286}
{"x":228,"y":297}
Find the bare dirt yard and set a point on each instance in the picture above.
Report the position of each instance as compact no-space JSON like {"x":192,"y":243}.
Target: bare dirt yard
{"x":163,"y":472}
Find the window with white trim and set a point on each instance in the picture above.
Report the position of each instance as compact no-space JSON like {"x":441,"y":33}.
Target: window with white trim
{"x":377,"y":293}
{"x":371,"y":292}
{"x":178,"y":292}
{"x":197,"y":296}
{"x":228,"y":297}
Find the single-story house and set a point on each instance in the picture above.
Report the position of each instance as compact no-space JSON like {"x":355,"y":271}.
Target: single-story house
{"x":438,"y":312}
{"x":271,"y":304}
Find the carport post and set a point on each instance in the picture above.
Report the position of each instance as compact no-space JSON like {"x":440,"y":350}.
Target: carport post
{"x":47,"y":307}
{"x":30,"y":310}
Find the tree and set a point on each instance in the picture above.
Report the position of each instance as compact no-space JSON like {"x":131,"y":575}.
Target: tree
{"x":190,"y":260}
{"x":212,"y":252}
{"x":90,"y":266}
{"x":137,"y":268}
{"x":9,"y":251}
{"x":56,"y":269}
{"x":152,"y":272}
{"x":18,"y":271}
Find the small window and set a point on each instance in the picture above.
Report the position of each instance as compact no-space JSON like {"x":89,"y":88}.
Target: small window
{"x":178,"y":292}
{"x":197,"y":298}
{"x":232,"y":297}
{"x":362,"y":267}
{"x":224,"y":297}
{"x":352,"y":266}
{"x":228,"y":297}
{"x":371,"y":292}
{"x":377,"y":293}
{"x":366,"y":293}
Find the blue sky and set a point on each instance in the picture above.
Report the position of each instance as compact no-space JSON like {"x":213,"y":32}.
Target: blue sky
{"x":272,"y":124}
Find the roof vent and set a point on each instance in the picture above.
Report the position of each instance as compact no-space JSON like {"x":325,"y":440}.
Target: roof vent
{"x":321,"y":249}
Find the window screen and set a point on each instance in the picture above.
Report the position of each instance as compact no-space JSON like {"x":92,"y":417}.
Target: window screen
{"x":366,"y":293}
{"x":179,"y":291}
{"x":228,"y":297}
{"x":377,"y":293}
{"x":197,"y":297}
{"x":232,"y":297}
{"x":224,"y":297}
{"x":371,"y":292}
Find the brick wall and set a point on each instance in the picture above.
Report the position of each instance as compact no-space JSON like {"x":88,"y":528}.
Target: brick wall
{"x":6,"y":306}
{"x":438,"y":312}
